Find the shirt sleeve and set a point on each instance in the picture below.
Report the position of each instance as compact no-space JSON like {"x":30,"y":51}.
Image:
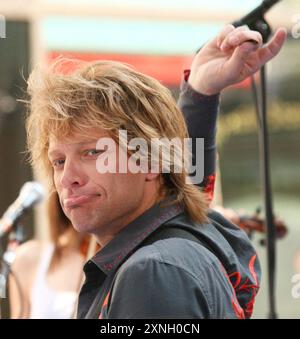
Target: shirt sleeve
{"x":200,"y":112}
{"x":154,"y":290}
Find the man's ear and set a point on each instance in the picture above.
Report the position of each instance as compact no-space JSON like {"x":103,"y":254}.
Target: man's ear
{"x":152,"y":176}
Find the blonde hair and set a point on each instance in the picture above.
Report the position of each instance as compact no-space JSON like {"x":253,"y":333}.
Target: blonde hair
{"x":113,"y":97}
{"x":58,"y":222}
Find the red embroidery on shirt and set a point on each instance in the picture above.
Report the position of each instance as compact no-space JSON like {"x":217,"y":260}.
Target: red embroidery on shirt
{"x":209,"y":186}
{"x":104,"y":306}
{"x":186,"y":74}
{"x":246,"y":286}
{"x":255,"y":287}
{"x":239,"y":312}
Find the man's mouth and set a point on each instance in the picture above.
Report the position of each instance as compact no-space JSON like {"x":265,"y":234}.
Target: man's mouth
{"x":79,"y":200}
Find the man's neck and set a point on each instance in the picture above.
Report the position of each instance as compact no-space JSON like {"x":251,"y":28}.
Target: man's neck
{"x":104,"y":238}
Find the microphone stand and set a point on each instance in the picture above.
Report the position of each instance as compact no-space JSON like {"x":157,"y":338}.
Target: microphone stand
{"x":16,"y":237}
{"x":258,"y":23}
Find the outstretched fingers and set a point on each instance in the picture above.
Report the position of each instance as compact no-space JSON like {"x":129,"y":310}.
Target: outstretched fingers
{"x":272,"y":48}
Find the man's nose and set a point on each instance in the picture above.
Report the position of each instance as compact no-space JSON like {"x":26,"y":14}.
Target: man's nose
{"x":73,"y":175}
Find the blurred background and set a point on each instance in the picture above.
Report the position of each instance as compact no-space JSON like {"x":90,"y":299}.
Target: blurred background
{"x":159,"y":38}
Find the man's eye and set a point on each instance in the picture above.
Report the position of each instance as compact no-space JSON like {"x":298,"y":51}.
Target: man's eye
{"x":93,"y":152}
{"x":58,"y":162}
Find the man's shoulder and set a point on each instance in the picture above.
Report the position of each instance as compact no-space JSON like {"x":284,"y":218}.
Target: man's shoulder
{"x":173,"y":277}
{"x":179,"y":254}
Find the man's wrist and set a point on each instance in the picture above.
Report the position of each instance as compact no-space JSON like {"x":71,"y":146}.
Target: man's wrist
{"x":203,"y":90}
{"x":199,"y":90}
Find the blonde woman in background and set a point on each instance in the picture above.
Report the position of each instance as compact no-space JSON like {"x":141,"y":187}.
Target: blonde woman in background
{"x":49,"y":273}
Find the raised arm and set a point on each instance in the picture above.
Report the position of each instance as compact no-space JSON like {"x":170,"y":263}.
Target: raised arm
{"x":234,"y":55}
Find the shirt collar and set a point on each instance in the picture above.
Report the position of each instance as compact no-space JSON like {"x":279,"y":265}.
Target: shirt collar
{"x":111,"y":256}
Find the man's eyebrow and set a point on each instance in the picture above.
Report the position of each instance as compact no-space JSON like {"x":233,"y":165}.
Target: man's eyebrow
{"x":53,"y":152}
{"x":79,"y":144}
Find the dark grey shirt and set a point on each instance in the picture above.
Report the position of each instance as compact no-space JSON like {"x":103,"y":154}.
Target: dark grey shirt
{"x":173,"y":278}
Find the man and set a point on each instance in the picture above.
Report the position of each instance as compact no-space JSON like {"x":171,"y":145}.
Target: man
{"x":207,"y":268}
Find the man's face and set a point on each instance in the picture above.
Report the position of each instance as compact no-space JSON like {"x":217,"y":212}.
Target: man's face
{"x":95,"y":203}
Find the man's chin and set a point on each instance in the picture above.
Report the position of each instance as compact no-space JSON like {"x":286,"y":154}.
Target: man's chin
{"x":84,"y":228}
{"x":81,"y":222}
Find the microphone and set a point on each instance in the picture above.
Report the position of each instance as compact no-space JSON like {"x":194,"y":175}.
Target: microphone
{"x":30,"y":194}
{"x":256,"y":14}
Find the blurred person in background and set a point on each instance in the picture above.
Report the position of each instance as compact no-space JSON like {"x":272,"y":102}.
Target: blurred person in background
{"x":49,"y":273}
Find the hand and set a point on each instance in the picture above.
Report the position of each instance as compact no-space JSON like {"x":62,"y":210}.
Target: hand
{"x":234,"y":55}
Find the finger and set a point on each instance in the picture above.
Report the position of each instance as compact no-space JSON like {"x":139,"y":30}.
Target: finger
{"x":217,"y":41}
{"x":239,"y":37}
{"x":227,"y":29}
{"x":232,"y":31}
{"x":240,"y":56}
{"x":228,"y":33}
{"x":272,"y":48}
